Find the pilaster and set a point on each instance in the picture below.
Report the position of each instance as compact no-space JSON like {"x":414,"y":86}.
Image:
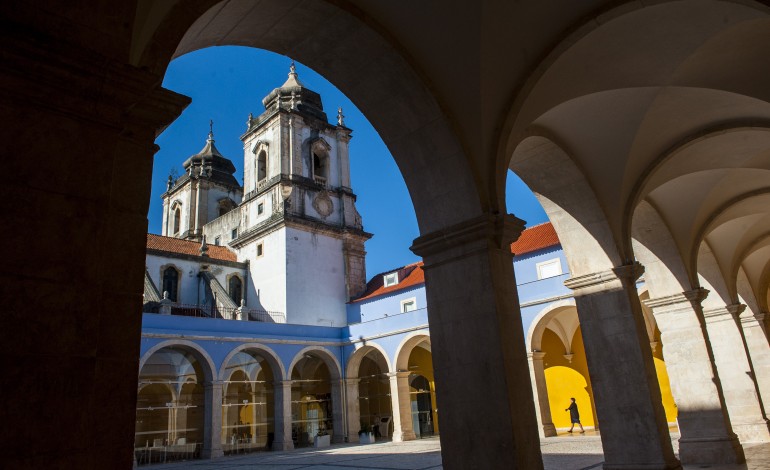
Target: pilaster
{"x":540,"y":391}
{"x":401,"y":403}
{"x":338,"y":418}
{"x":706,"y":433}
{"x":475,"y":327}
{"x":626,"y":391}
{"x":752,"y":326}
{"x":353,"y":409}
{"x":283,"y":440}
{"x":212,"y":420}
{"x":742,"y":398}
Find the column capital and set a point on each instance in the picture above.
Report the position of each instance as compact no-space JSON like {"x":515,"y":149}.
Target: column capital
{"x":733,"y":310}
{"x":535,"y":355}
{"x":610,"y":279}
{"x":467,"y":237}
{"x":398,"y":375}
{"x":690,"y":297}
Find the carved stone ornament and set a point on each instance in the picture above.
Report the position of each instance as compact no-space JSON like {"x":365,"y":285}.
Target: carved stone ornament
{"x":323,"y":204}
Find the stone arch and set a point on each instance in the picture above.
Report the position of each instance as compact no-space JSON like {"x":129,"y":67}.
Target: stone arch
{"x":322,"y":353}
{"x":208,"y":367}
{"x":354,"y":362}
{"x":539,"y":323}
{"x":406,"y":346}
{"x":401,"y":107}
{"x":270,"y":356}
{"x":654,"y":247}
{"x":570,"y":202}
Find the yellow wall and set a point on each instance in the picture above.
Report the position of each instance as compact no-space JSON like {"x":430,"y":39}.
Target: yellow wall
{"x":565,"y":380}
{"x":421,"y":361}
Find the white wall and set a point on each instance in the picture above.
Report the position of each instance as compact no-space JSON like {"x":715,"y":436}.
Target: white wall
{"x":316,"y":279}
{"x":267,"y":274}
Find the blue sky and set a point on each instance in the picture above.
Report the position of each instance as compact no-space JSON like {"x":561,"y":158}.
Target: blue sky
{"x":228,"y":83}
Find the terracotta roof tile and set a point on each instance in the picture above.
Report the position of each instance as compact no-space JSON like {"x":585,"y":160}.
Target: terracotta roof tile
{"x":535,"y":238}
{"x":408,"y":276}
{"x":187,"y":247}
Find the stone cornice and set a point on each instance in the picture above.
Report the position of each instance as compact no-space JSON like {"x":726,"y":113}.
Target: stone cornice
{"x":605,"y":280}
{"x":536,"y":355}
{"x":499,"y":229}
{"x":732,"y":310}
{"x":689,"y":297}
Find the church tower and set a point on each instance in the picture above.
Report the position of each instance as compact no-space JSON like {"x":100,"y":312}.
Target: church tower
{"x":205,"y":192}
{"x":299,"y":228}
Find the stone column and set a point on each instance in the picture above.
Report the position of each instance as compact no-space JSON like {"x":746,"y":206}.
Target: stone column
{"x":479,"y":359}
{"x":401,"y":403}
{"x":282,"y":425}
{"x":338,"y":415}
{"x":628,"y":401}
{"x":539,"y":390}
{"x":759,"y":352}
{"x":353,"y":408}
{"x":734,"y":368}
{"x":706,"y":434}
{"x":212,"y":420}
{"x":79,"y":211}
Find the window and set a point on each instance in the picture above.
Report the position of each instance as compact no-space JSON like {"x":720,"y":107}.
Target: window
{"x":234,"y":234}
{"x":549,"y":268}
{"x":171,"y":282}
{"x":390,"y":279}
{"x":177,"y":220}
{"x":260,"y":250}
{"x":217,"y":240}
{"x":408,"y":305}
{"x":320,"y":164}
{"x":235,"y":288}
{"x":262,"y":166}
{"x":260,"y":208}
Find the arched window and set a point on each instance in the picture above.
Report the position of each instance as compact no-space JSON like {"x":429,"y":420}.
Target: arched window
{"x":262,"y":166}
{"x":171,"y":282}
{"x":177,"y":220}
{"x":235,"y":288}
{"x":320,"y":168}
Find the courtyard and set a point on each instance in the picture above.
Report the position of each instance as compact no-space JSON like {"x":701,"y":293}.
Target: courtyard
{"x":565,"y":452}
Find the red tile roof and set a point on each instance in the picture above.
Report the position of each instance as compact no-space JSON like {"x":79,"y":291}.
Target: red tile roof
{"x":187,"y":247}
{"x":532,"y":239}
{"x":535,"y":238}
{"x":408,"y":276}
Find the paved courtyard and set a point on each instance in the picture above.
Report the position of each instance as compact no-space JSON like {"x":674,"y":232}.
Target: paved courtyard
{"x":565,"y":452}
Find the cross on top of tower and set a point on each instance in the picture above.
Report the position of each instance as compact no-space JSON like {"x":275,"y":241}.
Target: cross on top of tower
{"x":211,"y":130}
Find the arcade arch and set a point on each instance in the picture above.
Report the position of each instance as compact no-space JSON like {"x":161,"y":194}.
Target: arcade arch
{"x":368,"y":385}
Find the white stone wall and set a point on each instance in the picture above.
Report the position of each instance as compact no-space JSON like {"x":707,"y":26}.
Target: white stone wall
{"x":267,"y":273}
{"x":269,"y":136}
{"x":316,"y":279}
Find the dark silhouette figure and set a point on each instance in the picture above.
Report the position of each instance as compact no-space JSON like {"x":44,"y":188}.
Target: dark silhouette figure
{"x":574,"y":416}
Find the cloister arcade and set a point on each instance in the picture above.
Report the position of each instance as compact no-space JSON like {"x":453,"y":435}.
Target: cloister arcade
{"x":280,"y":398}
{"x":641,"y":126}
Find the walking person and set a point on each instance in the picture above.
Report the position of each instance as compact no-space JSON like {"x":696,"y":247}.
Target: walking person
{"x":574,"y":416}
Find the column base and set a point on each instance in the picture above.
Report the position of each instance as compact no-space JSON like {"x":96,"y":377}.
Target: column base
{"x":212,"y":453}
{"x":283,"y":445}
{"x":404,"y":436}
{"x":337,"y":439}
{"x":717,"y":450}
{"x":752,"y":432}
{"x":549,"y":430}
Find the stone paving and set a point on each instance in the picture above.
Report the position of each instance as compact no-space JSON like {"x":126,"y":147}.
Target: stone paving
{"x":565,"y":452}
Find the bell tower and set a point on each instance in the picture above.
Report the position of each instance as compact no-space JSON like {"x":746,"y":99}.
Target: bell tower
{"x":206,"y":191}
{"x":300,"y":230}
